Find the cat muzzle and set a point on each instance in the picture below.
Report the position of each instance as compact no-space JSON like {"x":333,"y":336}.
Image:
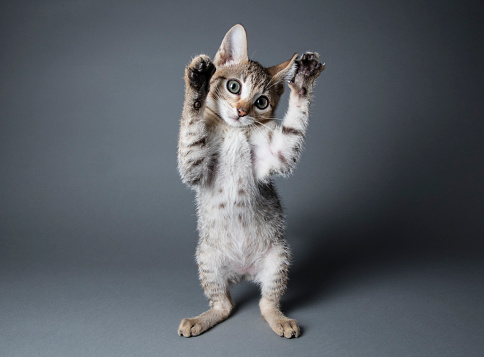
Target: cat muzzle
{"x":241,"y":112}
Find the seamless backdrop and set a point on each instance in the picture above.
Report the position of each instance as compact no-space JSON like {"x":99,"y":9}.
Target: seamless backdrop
{"x":98,"y":234}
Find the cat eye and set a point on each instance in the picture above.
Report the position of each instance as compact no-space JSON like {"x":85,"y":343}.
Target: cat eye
{"x":233,"y":86}
{"x":262,"y":102}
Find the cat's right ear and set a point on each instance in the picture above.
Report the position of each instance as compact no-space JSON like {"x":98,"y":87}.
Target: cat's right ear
{"x":233,"y":47}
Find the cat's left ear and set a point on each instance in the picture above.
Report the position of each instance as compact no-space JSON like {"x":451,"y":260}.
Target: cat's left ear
{"x":284,"y":71}
{"x":233,"y":47}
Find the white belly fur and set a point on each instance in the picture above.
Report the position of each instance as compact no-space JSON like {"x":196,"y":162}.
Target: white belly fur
{"x":232,"y":232}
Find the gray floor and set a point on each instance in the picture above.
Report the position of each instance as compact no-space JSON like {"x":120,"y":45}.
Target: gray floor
{"x":97,"y":233}
{"x":402,"y":309}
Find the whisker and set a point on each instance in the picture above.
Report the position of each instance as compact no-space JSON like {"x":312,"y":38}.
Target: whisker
{"x":275,"y":119}
{"x":220,"y":100}
{"x":214,"y":113}
{"x":271,"y":83}
{"x":268,"y":127}
{"x":217,"y":95}
{"x":253,"y":55}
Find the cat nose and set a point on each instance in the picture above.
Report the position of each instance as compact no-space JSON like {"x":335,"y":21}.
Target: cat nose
{"x":241,"y":112}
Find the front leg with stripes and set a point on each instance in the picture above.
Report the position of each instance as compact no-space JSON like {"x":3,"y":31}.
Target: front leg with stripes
{"x":277,"y":151}
{"x":195,"y":152}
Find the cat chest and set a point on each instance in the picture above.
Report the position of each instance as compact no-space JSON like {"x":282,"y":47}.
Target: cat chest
{"x":232,"y":192}
{"x":235,"y":170}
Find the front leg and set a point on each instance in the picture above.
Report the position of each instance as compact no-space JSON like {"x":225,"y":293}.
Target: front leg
{"x":283,"y":146}
{"x":195,"y":155}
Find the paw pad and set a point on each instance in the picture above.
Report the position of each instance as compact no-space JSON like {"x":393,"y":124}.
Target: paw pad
{"x":308,"y":68}
{"x":199,"y":72}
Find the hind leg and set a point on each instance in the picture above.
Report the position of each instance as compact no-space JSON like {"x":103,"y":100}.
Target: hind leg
{"x":216,"y":288}
{"x":273,"y":280}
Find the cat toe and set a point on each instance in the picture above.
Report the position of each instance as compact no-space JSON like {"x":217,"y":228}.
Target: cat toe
{"x":310,"y":56}
{"x":191,"y":327}
{"x":199,"y":72}
{"x":202,"y":65}
{"x":182,"y":331}
{"x":307,"y":69}
{"x":287,"y":328}
{"x":309,"y":64}
{"x":185,"y":329}
{"x":291,"y":329}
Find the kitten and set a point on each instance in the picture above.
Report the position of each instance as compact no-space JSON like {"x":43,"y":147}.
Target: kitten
{"x":230,"y":147}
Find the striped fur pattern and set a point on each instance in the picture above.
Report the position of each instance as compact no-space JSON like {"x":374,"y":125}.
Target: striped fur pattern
{"x":230,"y":148}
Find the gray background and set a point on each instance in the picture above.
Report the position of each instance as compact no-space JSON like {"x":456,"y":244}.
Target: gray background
{"x":97,"y":232}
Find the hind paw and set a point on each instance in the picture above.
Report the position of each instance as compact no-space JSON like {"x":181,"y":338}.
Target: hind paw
{"x":287,"y":328}
{"x":190,"y":327}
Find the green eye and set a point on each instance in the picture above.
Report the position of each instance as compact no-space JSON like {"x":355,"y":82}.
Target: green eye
{"x":262,"y":102}
{"x":233,"y":86}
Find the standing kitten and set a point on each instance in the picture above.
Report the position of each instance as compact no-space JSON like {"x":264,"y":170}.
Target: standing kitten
{"x":229,"y":149}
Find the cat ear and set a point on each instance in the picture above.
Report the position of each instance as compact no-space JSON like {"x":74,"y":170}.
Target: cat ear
{"x":233,"y":47}
{"x":284,"y":71}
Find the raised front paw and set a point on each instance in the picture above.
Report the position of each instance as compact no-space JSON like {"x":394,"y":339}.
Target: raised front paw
{"x":308,"y":68}
{"x":199,"y":72}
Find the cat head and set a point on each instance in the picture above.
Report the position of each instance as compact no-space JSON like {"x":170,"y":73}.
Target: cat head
{"x":243,"y":92}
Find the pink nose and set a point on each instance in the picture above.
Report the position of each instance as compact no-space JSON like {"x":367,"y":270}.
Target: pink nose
{"x":241,"y":112}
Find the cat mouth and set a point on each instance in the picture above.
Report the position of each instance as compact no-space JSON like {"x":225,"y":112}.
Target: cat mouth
{"x":235,"y":120}
{"x":239,"y":121}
